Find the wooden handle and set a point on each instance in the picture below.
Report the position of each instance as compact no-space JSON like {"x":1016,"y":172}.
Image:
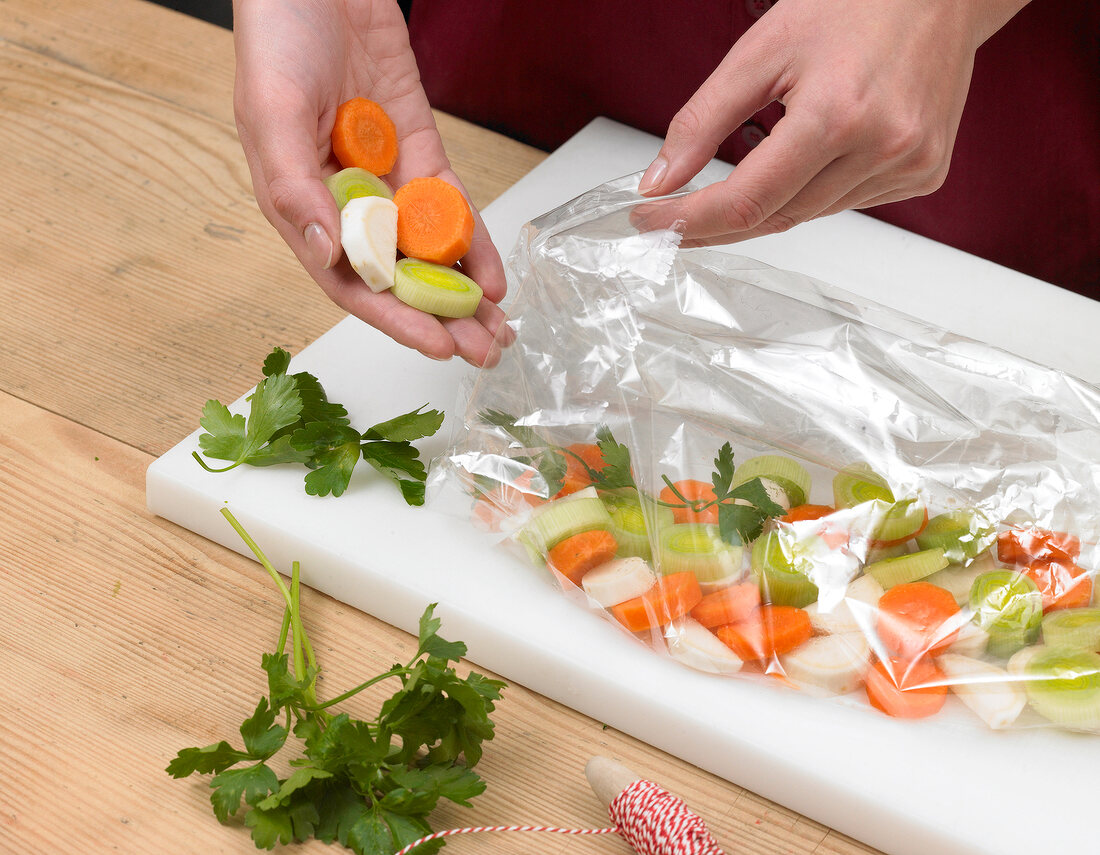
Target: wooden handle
{"x":608,"y":778}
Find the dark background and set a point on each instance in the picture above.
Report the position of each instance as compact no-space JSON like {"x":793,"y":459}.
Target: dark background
{"x":218,"y":12}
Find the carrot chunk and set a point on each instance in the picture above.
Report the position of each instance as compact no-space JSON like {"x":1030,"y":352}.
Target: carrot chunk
{"x":693,"y":491}
{"x":915,"y":689}
{"x":364,"y":136}
{"x":768,"y":631}
{"x":434,"y":221}
{"x":728,"y":605}
{"x":673,"y":596}
{"x":576,"y":555}
{"x":915,"y":619}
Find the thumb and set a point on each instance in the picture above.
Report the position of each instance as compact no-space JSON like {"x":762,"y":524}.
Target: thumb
{"x":741,"y":85}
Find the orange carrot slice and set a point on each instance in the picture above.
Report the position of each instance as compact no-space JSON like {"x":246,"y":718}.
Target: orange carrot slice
{"x":915,"y":689}
{"x":914,"y":620}
{"x":693,"y":491}
{"x":1021,"y":545}
{"x":1063,"y":585}
{"x":364,"y":136}
{"x":580,"y":457}
{"x":673,"y":596}
{"x":801,"y":513}
{"x":727,"y":605}
{"x":434,"y":221}
{"x":576,"y":555}
{"x":768,"y":631}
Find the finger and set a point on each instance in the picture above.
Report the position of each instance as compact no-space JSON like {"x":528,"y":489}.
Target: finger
{"x":770,"y":177}
{"x":288,"y":185}
{"x":743,"y":83}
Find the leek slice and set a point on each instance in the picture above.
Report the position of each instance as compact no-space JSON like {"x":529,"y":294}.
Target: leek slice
{"x":1078,"y":629}
{"x":632,"y":518}
{"x":904,"y":519}
{"x":435,"y":289}
{"x":906,"y":568}
{"x":553,"y":522}
{"x":354,"y":183}
{"x":698,"y":548}
{"x":963,"y":535}
{"x":1009,"y":606}
{"x":959,"y":578}
{"x":782,"y":572}
{"x":858,"y":483}
{"x":790,"y":475}
{"x":1063,"y":685}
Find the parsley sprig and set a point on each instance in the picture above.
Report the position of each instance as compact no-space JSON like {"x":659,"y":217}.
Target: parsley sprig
{"x":291,"y":420}
{"x":368,"y":784}
{"x":737,"y":522}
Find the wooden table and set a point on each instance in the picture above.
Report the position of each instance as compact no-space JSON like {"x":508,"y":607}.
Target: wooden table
{"x":139,"y":279}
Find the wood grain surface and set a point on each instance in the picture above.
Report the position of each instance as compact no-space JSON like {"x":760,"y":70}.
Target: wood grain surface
{"x":138,"y":280}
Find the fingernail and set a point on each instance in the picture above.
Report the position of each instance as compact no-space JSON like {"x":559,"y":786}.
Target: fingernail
{"x":320,"y":246}
{"x":653,"y":176}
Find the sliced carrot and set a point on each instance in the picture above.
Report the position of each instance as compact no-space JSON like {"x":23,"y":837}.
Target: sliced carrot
{"x":914,"y":689}
{"x":581,"y":459}
{"x":768,"y":631}
{"x":364,"y":136}
{"x":1063,"y":585}
{"x":494,"y":506}
{"x":576,"y":555}
{"x":914,"y":620}
{"x":693,"y":491}
{"x":801,"y":513}
{"x":673,"y":596}
{"x":1021,"y":545}
{"x":434,"y":221}
{"x":728,"y":605}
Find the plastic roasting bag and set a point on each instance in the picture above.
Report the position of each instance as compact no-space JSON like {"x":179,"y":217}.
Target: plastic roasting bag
{"x":759,"y":474}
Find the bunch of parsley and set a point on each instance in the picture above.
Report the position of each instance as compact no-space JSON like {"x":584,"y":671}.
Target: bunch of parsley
{"x":368,"y":784}
{"x":738,"y":522}
{"x":291,"y":420}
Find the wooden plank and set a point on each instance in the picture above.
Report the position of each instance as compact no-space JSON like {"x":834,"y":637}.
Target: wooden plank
{"x":140,"y":278}
{"x":128,"y":638}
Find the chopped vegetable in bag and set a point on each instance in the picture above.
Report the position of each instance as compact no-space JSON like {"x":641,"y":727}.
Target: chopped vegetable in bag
{"x":762,"y":476}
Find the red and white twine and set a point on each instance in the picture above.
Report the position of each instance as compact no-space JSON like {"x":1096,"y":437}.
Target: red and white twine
{"x":648,"y":817}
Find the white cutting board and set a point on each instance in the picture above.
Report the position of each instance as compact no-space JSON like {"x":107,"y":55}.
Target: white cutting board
{"x":908,"y":788}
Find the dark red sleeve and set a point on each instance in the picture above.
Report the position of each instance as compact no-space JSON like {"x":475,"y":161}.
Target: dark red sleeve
{"x":1024,"y":185}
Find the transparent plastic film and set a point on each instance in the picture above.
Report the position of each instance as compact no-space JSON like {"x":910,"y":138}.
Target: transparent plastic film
{"x":764,"y":477}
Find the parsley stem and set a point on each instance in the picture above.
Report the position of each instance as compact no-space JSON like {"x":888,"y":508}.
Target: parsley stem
{"x":350,"y":693}
{"x":202,"y":463}
{"x":251,"y":544}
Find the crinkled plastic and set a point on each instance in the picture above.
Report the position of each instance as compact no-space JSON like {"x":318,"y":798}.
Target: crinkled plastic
{"x":967,"y":469}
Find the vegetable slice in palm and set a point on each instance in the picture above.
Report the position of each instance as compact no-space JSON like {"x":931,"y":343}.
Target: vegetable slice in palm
{"x":353,"y":182}
{"x":435,"y":289}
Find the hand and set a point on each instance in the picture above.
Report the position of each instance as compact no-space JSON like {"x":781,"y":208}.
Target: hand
{"x":873,"y":89}
{"x":297,"y":61}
